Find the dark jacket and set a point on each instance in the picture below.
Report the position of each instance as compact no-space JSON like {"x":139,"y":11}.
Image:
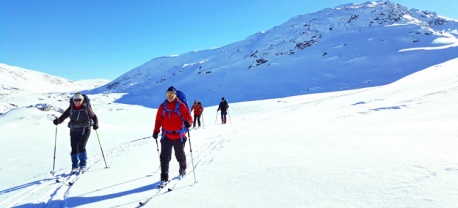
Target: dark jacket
{"x":80,"y":117}
{"x":223,"y":106}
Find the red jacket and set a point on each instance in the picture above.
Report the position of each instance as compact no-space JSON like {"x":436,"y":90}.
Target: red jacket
{"x":171,"y":120}
{"x":197,"y":108}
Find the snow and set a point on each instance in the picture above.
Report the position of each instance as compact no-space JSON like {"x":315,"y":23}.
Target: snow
{"x":387,"y":146}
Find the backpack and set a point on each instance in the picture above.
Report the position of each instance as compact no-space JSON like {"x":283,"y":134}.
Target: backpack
{"x":181,"y":99}
{"x":199,"y":106}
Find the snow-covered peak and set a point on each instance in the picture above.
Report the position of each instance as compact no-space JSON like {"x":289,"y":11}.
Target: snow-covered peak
{"x":27,"y":88}
{"x":14,"y":78}
{"x":374,"y":42}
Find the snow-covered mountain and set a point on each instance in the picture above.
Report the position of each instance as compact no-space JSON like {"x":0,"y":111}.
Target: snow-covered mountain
{"x":18,"y":85}
{"x":378,"y":42}
{"x":387,"y":146}
{"x":19,"y":79}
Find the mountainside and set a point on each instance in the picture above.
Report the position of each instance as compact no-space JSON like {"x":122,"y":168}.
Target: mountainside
{"x":18,"y":85}
{"x":378,"y":42}
{"x":374,"y":147}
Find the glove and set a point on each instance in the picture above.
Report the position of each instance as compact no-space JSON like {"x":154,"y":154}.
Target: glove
{"x":55,"y":121}
{"x":187,"y":124}
{"x":155,"y":135}
{"x":95,"y":127}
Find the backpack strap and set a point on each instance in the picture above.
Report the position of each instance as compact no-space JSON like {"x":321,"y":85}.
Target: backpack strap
{"x":177,"y":110}
{"x":85,"y":107}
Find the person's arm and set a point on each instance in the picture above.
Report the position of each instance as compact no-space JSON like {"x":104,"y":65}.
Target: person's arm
{"x":158,"y":123}
{"x":186,"y":114}
{"x":64,"y":116}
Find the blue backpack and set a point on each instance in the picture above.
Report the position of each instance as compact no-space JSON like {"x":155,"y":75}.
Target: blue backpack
{"x":181,"y":98}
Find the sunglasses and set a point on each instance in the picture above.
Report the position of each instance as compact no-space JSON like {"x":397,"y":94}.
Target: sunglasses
{"x":170,"y":94}
{"x":77,"y":100}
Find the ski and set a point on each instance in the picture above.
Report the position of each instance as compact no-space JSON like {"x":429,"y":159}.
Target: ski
{"x":62,"y":178}
{"x":159,"y":189}
{"x":71,"y":182}
{"x":71,"y":178}
{"x":164,"y":184}
{"x":68,"y":181}
{"x":171,"y":184}
{"x":175,"y":182}
{"x":78,"y":175}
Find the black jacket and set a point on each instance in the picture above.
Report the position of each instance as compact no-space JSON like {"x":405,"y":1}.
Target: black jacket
{"x":223,"y":106}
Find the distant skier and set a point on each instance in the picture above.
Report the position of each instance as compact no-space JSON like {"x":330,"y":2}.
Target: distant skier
{"x":81,"y":118}
{"x":223,"y":106}
{"x":198,"y":110}
{"x":175,"y":119}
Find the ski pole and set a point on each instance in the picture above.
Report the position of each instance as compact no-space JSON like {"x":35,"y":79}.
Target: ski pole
{"x":203,"y":121}
{"x":103,"y":155}
{"x":54,"y":160}
{"x":216,"y":117}
{"x":192,"y":158}
{"x":229,"y":117}
{"x":158,"y":154}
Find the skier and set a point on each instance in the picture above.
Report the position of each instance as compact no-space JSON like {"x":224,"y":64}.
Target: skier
{"x":223,"y":106}
{"x":198,"y":110}
{"x":81,"y":118}
{"x":175,"y":119}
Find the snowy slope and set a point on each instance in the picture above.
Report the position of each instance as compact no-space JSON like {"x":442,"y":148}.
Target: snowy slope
{"x":390,"y":141}
{"x":387,"y":146}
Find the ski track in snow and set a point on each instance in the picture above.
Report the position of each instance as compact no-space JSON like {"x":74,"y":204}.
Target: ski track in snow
{"x":53,"y":196}
{"x":50,"y":194}
{"x":56,"y":195}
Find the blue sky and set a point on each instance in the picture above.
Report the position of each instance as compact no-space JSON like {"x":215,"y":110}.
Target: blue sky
{"x":91,"y":39}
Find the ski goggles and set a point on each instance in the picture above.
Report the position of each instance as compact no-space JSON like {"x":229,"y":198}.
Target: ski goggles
{"x":77,"y":100}
{"x":170,"y":94}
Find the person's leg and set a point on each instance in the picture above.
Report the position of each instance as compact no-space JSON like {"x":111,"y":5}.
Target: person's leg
{"x":74,"y":138}
{"x":194,"y":124}
{"x":180,"y":154}
{"x":166,"y":155}
{"x":82,"y":154}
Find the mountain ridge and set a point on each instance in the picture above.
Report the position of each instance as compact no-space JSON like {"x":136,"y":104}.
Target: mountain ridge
{"x":12,"y":77}
{"x":311,"y":53}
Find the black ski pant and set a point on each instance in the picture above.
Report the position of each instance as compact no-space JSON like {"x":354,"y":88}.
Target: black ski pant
{"x":223,"y":114}
{"x":78,"y":139}
{"x":166,"y":153}
{"x":196,"y":120}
